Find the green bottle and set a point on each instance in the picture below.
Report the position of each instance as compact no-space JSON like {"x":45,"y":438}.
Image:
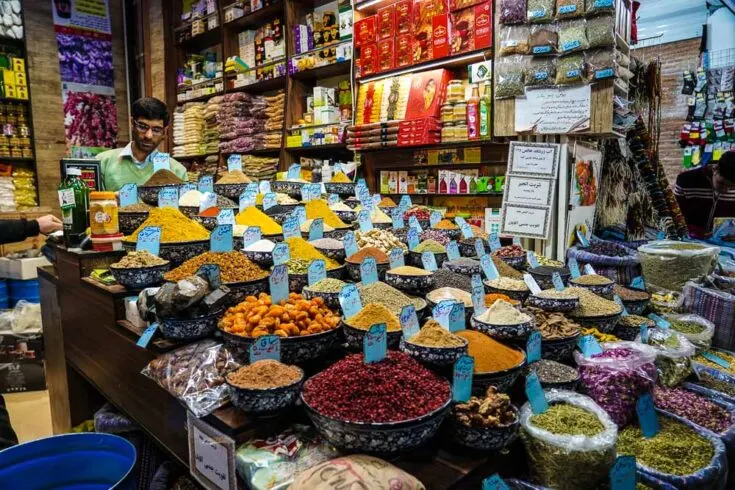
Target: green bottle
{"x":74,"y":203}
{"x":485,"y":113}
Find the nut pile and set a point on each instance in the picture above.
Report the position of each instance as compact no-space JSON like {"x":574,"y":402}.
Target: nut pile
{"x":494,"y":410}
{"x":382,"y":239}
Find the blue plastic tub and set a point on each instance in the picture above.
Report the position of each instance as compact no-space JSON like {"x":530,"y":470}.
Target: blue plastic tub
{"x":4,"y":305}
{"x":28,"y":290}
{"x":88,"y":461}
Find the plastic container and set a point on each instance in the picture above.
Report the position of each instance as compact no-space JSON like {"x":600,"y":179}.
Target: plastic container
{"x":107,"y":243}
{"x":455,"y":91}
{"x":669,"y":264}
{"x":103,"y":213}
{"x":91,"y":461}
{"x":28,"y":290}
{"x":4,"y":304}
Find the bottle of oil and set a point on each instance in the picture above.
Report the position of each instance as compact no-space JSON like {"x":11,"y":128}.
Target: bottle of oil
{"x":485,"y":113}
{"x":74,"y":203}
{"x":473,"y":114}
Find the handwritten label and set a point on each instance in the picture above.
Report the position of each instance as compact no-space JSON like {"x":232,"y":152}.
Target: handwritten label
{"x":369,"y":271}
{"x":269,"y":200}
{"x":363,"y":218}
{"x":644,"y":333}
{"x":209,"y":200}
{"x":317,"y":271}
{"x":251,"y":235}
{"x":532,"y":260}
{"x":168,"y":197}
{"x":413,"y":222}
{"x":247,"y":199}
{"x":278,"y":282}
{"x":186,"y":187}
{"x":128,"y":195}
{"x":660,"y":322}
{"x":211,"y":273}
{"x":234,"y":162}
{"x":210,"y":458}
{"x":494,"y":242}
{"x":316,"y":230}
{"x":350,"y":244}
{"x":531,"y":283}
{"x":264,"y":187}
{"x":375,"y":343}
{"x":479,"y":247}
{"x":535,"y":394}
{"x":332,"y":199}
{"x":441,"y":312}
{"x":161,"y":161}
{"x":453,"y":250}
{"x":291,"y":228}
{"x":558,"y":283}
{"x":300,"y":213}
{"x":349,"y":300}
{"x":434,"y":218}
{"x":409,"y":321}
{"x":397,"y":216}
{"x":478,"y":295}
{"x":149,"y":239}
{"x":533,"y":347}
{"x":619,"y":301}
{"x":266,"y":347}
{"x":638,"y":283}
{"x":574,"y":268}
{"x":226,"y":217}
{"x":429,"y":261}
{"x":494,"y":482}
{"x":464,"y":368}
{"x":147,"y":335}
{"x":466,"y":230}
{"x":281,"y":253}
{"x":413,"y":238}
{"x":716,"y":359}
{"x":647,"y":418}
{"x":622,"y":474}
{"x":488,"y":267}
{"x":457,"y":317}
{"x":206,"y":184}
{"x":589,"y":346}
{"x":561,"y":110}
{"x":397,"y":258}
{"x":294,"y":172}
{"x":583,"y":241}
{"x":589,"y":270}
{"x":405,"y":202}
{"x":221,"y":239}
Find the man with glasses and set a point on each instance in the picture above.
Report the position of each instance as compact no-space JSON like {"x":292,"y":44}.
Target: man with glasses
{"x":133,"y":164}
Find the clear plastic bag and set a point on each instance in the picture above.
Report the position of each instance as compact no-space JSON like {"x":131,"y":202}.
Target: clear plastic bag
{"x":568,"y":9}
{"x":570,"y":69}
{"x":25,"y":318}
{"x":541,"y":72}
{"x":512,"y":11}
{"x":600,"y":64}
{"x":195,"y":375}
{"x":615,"y":380}
{"x":540,"y":11}
{"x":514,"y":40}
{"x":573,"y":36}
{"x":701,"y":340}
{"x":356,"y":471}
{"x":601,"y":31}
{"x":544,"y":39}
{"x":673,"y":355}
{"x":597,"y":6}
{"x":552,"y":455}
{"x":509,"y":77}
{"x":668,"y":264}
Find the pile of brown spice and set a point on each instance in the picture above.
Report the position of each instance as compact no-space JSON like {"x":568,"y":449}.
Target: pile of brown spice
{"x":365,"y":252}
{"x":163,"y":177}
{"x":265,"y":374}
{"x":434,"y":335}
{"x":233,"y":266}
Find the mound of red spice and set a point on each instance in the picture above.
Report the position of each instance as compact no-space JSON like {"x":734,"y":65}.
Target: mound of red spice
{"x":393,"y":390}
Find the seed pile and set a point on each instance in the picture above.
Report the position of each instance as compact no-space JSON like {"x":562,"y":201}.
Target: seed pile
{"x":551,"y":372}
{"x":452,"y":294}
{"x":434,"y":335}
{"x":264,"y":374}
{"x":233,"y":267}
{"x":490,"y":355}
{"x":503,"y":313}
{"x":327,"y":285}
{"x":373,"y":313}
{"x":592,"y":280}
{"x":591,"y":305}
{"x":508,"y":284}
{"x":392,"y":298}
{"x":137,"y":259}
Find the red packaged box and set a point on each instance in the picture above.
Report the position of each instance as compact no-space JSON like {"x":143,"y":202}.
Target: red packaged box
{"x":365,"y":31}
{"x":463,"y":31}
{"x":402,"y":17}
{"x":369,"y":59}
{"x":403,"y":50}
{"x":423,"y":13}
{"x":483,"y":25}
{"x":386,"y":22}
{"x":440,"y":36}
{"x":385,"y":54}
{"x":428,"y":90}
{"x":463,"y":4}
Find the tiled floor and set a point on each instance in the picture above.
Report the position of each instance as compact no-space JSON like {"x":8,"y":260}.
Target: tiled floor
{"x":30,"y":414}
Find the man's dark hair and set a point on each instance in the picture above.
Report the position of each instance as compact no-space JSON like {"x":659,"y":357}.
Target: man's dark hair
{"x":150,"y":108}
{"x":726,"y":165}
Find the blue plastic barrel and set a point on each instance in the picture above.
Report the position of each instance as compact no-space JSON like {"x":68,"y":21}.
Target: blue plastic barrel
{"x":28,"y":290}
{"x":4,"y":295}
{"x":88,"y":461}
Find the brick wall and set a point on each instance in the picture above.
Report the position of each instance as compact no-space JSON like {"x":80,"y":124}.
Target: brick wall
{"x":675,"y":58}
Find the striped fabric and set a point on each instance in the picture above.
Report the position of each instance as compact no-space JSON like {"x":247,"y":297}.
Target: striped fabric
{"x":699,"y":203}
{"x":717,"y":307}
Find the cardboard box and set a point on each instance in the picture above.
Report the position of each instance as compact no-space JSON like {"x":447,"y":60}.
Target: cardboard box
{"x":323,"y":96}
{"x":21,"y":268}
{"x":345,"y":23}
{"x":21,"y":347}
{"x":483,"y":25}
{"x":18,"y":377}
{"x":385,"y":54}
{"x":428,"y":89}
{"x":403,"y":50}
{"x":402,"y":17}
{"x":326,"y":115}
{"x":440,"y":36}
{"x":463,"y":31}
{"x":365,"y":31}
{"x":386,"y":22}
{"x":369,"y":59}
{"x":384,"y":179}
{"x":480,"y":72}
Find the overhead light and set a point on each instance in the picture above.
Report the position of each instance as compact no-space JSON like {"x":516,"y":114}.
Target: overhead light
{"x":369,"y":3}
{"x":424,"y":66}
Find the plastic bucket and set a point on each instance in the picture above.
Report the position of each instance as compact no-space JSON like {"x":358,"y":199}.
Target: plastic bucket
{"x":90,"y":461}
{"x":28,"y":290}
{"x":4,"y":295}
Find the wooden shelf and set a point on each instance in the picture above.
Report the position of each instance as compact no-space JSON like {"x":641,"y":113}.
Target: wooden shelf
{"x":449,"y":62}
{"x":435,"y":194}
{"x":255,"y":19}
{"x":200,"y":98}
{"x":187,"y":25}
{"x":439,"y":165}
{"x":436,"y":146}
{"x":262,"y":86}
{"x":326,"y":71}
{"x":194,"y":157}
{"x":317,"y":148}
{"x":263,"y":152}
{"x":202,"y":41}
{"x":17,"y":159}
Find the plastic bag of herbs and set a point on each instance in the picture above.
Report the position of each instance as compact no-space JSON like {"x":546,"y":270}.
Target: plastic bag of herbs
{"x":673,"y":355}
{"x":571,"y":445}
{"x":698,"y":330}
{"x":669,"y":264}
{"x":681,"y":454}
{"x":712,"y":381}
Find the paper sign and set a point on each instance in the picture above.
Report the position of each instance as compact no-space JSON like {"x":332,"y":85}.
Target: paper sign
{"x":332,"y":199}
{"x":660,"y":322}
{"x":413,"y":238}
{"x":464,"y":368}
{"x":716,"y":359}
{"x":429,"y":261}
{"x":535,"y":394}
{"x":453,"y":250}
{"x":350,"y":244}
{"x":209,"y":200}
{"x":161,"y":161}
{"x":206,"y":184}
{"x":478,"y":295}
{"x":647,"y":418}
{"x":266,"y":347}
{"x":264,"y":187}
{"x":316,"y":230}
{"x":363,"y":218}
{"x":409,"y":321}
{"x":291,"y":227}
{"x":494,"y":482}
{"x":269,"y":200}
{"x":317,"y":271}
{"x":413,"y":222}
{"x":147,"y":335}
{"x":619,"y":301}
{"x":251,"y":235}
{"x":188,"y":186}
{"x":128,"y":195}
{"x":234,"y":162}
{"x":574,"y":267}
{"x":457,"y":317}
{"x":583,"y":241}
{"x":517,"y":241}
{"x":589,"y":270}
{"x":488,"y":267}
{"x":405,"y":202}
{"x":526,"y":221}
{"x":434,"y":218}
{"x":441,"y":312}
{"x":252,"y":187}
{"x":210,"y":459}
{"x":300,"y":213}
{"x":349,"y":300}
{"x":531,"y":283}
{"x":494,"y":242}
{"x":211,"y":273}
{"x":294,"y":172}
{"x":622,"y":474}
{"x":221,"y":239}
{"x":560,"y":110}
{"x":226,"y":217}
{"x":149,"y":239}
{"x":532,"y":260}
{"x":638,"y":283}
{"x":466,"y":230}
{"x":278,"y":282}
{"x":479,"y":247}
{"x":281,"y":253}
{"x":397,"y":258}
{"x":540,"y":159}
{"x":375,"y":343}
{"x":168,"y":197}
{"x":247,"y":199}
{"x":397,"y":217}
{"x":533,"y":347}
{"x":368,"y":271}
{"x":558,"y":283}
{"x":589,"y":346}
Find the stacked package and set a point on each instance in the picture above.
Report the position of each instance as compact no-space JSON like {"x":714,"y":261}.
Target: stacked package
{"x":24,"y":181}
{"x":7,"y":195}
{"x":242,"y":123}
{"x":178,"y":132}
{"x":274,"y":124}
{"x":259,"y":168}
{"x":210,"y":141}
{"x":188,"y":130}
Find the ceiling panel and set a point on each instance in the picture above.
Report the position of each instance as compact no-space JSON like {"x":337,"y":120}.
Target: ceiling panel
{"x":674,"y":20}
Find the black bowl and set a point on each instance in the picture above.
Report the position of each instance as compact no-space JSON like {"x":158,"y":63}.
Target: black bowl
{"x":294,"y":350}
{"x":129,"y":222}
{"x":515,"y":262}
{"x":605,"y":290}
{"x":603,"y":323}
{"x":188,"y":329}
{"x":265,"y":401}
{"x":467,"y":249}
{"x":330,"y":299}
{"x":176,"y":252}
{"x":380,"y":438}
{"x":149,"y":193}
{"x":502,"y":380}
{"x":625,"y":332}
{"x":553,"y":304}
{"x":410,"y":284}
{"x":140,"y":277}
{"x":340,"y":188}
{"x":559,"y":349}
{"x":638,"y":306}
{"x":230,"y":191}
{"x":468,"y":310}
{"x":353,"y":270}
{"x":293,"y":189}
{"x":486,"y":438}
{"x":511,"y":293}
{"x":263,"y":259}
{"x":521,"y":330}
{"x":297,"y":282}
{"x":247,"y":288}
{"x":209,"y":222}
{"x":414,"y":259}
{"x":336,"y":254}
{"x":451,"y":234}
{"x":381,"y":226}
{"x":354,"y":336}
{"x":433,"y":356}
{"x":561,"y":385}
{"x":545,"y":281}
{"x":465,"y":270}
{"x":352,"y":202}
{"x":346,"y":216}
{"x":190,"y":211}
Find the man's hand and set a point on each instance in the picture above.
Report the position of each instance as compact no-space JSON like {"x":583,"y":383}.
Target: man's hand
{"x":49,"y":224}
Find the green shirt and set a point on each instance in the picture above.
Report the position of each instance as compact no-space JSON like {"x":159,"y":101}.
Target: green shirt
{"x":119,"y":167}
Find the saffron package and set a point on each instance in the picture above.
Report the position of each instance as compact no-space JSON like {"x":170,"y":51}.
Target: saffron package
{"x":385,"y":54}
{"x":428,"y":89}
{"x":440,"y":36}
{"x":365,"y":31}
{"x":369,"y":59}
{"x":402,"y":17}
{"x":463,"y":32}
{"x":403,"y":50}
{"x":386,"y":22}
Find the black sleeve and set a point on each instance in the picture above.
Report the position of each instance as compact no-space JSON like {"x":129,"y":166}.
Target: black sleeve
{"x":7,"y":434}
{"x":12,"y":231}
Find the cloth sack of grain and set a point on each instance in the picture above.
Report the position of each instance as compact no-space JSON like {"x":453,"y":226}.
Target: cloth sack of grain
{"x":357,"y":471}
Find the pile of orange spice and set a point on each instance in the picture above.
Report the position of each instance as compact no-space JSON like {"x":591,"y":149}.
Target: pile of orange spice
{"x":493,"y":297}
{"x":365,"y":252}
{"x":445,"y":224}
{"x":490,"y":356}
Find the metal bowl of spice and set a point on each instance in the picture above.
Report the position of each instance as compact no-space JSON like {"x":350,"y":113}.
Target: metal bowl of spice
{"x":357,"y":325}
{"x":436,"y":296}
{"x":487,"y":423}
{"x":463,"y":265}
{"x":434,"y":345}
{"x":149,"y":193}
{"x":467,"y":246}
{"x":553,"y":374}
{"x":553,"y":300}
{"x":176,"y":252}
{"x":635,"y":300}
{"x":291,"y":188}
{"x":543,"y":273}
{"x":262,"y":258}
{"x":265,"y":387}
{"x":328,"y":289}
{"x":600,"y":285}
{"x":354,"y":261}
{"x":231,"y":190}
{"x":414,"y":258}
{"x":188,"y":329}
{"x":503,"y":321}
{"x":629,"y":326}
{"x":513,"y":255}
{"x":297,"y":282}
{"x":130,"y":221}
{"x":513,"y":288}
{"x":594,"y":311}
{"x":139,"y":270}
{"x":331,"y":248}
{"x":496,"y":364}
{"x":340,"y":188}
{"x":346,"y":216}
{"x":410,"y":279}
{"x":559,"y":334}
{"x":243,"y":289}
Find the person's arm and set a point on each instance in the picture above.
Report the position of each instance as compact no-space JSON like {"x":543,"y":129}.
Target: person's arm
{"x":685,"y":205}
{"x":12,"y":231}
{"x":179,"y":170}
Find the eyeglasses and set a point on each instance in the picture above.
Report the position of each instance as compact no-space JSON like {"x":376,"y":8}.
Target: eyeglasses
{"x":143,"y":128}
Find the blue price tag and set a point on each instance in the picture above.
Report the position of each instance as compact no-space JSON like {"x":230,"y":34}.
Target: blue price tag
{"x":226,"y":217}
{"x":413,"y":222}
{"x":128,"y":195}
{"x":644,"y":333}
{"x":206,"y":183}
{"x":220,"y":239}
{"x":453,"y":250}
{"x":300,"y":213}
{"x":647,"y":418}
{"x":363,"y":218}
{"x":251,"y":235}
{"x":413,"y":238}
{"x":583,"y":241}
{"x":589,"y":270}
{"x":638,"y":283}
{"x":397,"y":216}
{"x":376,"y":199}
{"x":209,"y":200}
{"x":269,"y":200}
{"x":278,"y":282}
{"x":466,"y":230}
{"x":149,"y":239}
{"x":349,"y":300}
{"x":161,"y":161}
{"x":533,"y":347}
{"x":488,"y":267}
{"x":211,"y":273}
{"x":317,"y":271}
{"x":535,"y":394}
{"x":531,"y":283}
{"x":464,"y":368}
{"x":558,"y":283}
{"x":494,"y":242}
{"x":409,"y":321}
{"x":661,"y":235}
{"x":532,"y":260}
{"x":660,"y":322}
{"x":516,"y":240}
{"x":716,"y":359}
{"x":350,"y":244}
{"x":478,"y":295}
{"x":494,"y":482}
{"x":622,"y":474}
{"x":365,"y":199}
{"x":429,"y":261}
{"x":369,"y":271}
{"x":316,"y":230}
{"x":589,"y":346}
{"x":281,"y":253}
{"x":306,"y":193}
{"x":358,"y":188}
{"x":264,"y":187}
{"x":266,"y":347}
{"x":294,"y":172}
{"x":247,"y":199}
{"x":441,"y":312}
{"x":252,"y":187}
{"x":574,"y":268}
{"x":234,"y":162}
{"x":479,"y":247}
{"x":168,"y":197}
{"x":434,"y":218}
{"x":184,"y":188}
{"x":405,"y":202}
{"x":291,"y":228}
{"x":457,"y":317}
{"x":147,"y":335}
{"x":375,"y":343}
{"x":332,"y":199}
{"x":620,"y":303}
{"x":396,"y":258}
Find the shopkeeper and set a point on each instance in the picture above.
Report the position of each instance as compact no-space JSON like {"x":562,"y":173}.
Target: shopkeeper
{"x":133,"y":163}
{"x":706,"y":193}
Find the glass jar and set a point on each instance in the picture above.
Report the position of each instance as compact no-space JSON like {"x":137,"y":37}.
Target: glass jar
{"x":103,"y":213}
{"x":455,"y":91}
{"x":460,"y":111}
{"x":447,"y":113}
{"x":447,"y":133}
{"x":460,"y":132}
